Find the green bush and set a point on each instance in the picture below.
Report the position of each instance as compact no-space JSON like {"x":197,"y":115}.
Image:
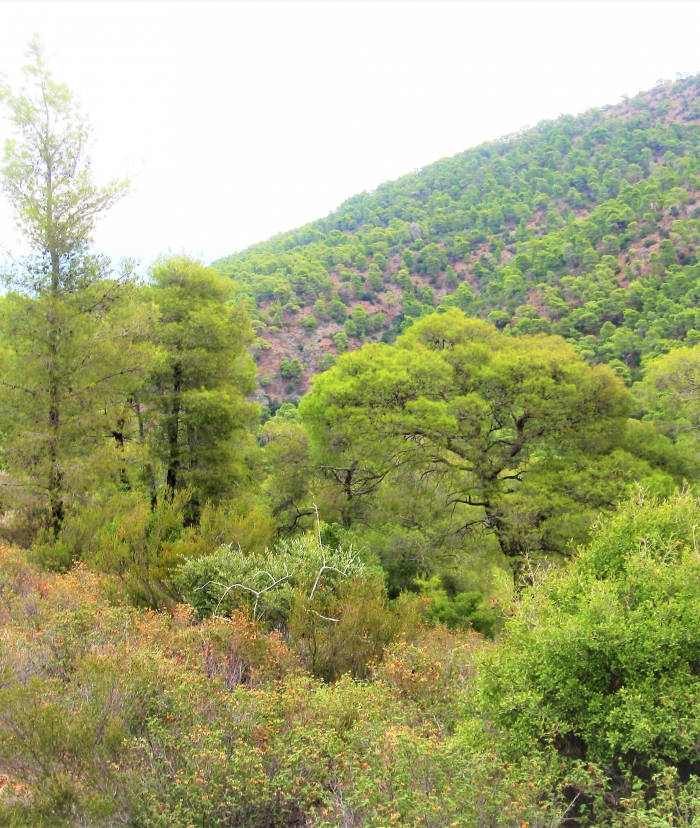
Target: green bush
{"x":461,"y":611}
{"x":291,"y":369}
{"x":601,"y":659}
{"x":267,"y":583}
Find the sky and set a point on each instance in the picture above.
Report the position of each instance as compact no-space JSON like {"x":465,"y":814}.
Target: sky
{"x":239,"y":120}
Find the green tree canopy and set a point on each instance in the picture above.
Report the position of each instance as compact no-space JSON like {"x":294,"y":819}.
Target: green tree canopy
{"x":197,"y":390}
{"x":474,"y":410}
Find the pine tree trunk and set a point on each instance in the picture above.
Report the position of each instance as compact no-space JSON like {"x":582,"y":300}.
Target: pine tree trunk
{"x":173,"y":431}
{"x":56,"y":474}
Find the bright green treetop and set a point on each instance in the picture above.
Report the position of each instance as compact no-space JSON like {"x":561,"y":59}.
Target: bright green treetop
{"x":475,"y":410}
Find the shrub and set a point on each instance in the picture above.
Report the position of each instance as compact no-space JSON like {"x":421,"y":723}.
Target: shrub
{"x":291,"y":369}
{"x":601,"y":660}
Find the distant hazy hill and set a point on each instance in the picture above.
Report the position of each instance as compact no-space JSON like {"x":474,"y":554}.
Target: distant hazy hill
{"x":585,"y":226}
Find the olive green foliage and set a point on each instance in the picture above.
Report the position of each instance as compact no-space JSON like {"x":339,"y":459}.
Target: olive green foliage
{"x":455,"y":609}
{"x":197,"y":387}
{"x":584,"y":226}
{"x":511,"y":435}
{"x":290,"y":472}
{"x":291,"y":369}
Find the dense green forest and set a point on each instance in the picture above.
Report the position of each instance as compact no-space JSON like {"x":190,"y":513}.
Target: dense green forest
{"x":453,"y":581}
{"x":585,"y":227}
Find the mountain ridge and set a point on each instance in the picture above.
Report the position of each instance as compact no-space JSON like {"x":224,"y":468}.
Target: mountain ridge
{"x":526,"y":231}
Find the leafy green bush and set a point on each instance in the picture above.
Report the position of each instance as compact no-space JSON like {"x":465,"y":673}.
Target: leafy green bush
{"x":601,"y":660}
{"x":291,"y":369}
{"x":267,"y":582}
{"x":460,"y":611}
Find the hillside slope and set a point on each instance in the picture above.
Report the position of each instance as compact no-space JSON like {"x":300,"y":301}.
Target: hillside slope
{"x":584,"y":226}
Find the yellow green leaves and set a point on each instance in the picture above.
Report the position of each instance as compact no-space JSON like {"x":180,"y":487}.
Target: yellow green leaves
{"x":460,"y":403}
{"x":602,"y":657}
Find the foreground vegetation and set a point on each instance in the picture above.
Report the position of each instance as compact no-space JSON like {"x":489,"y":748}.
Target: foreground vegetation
{"x":457,"y":585}
{"x":584,"y":713}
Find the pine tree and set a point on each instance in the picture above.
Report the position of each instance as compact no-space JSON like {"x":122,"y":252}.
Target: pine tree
{"x":62,"y":354}
{"x":195,"y":397}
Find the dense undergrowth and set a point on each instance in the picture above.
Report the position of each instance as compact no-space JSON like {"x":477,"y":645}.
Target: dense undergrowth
{"x":583,"y":713}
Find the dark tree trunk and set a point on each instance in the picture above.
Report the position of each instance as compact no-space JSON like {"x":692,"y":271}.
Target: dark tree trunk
{"x":148,"y":468}
{"x":118,"y":434}
{"x":56,"y":474}
{"x":173,"y":431}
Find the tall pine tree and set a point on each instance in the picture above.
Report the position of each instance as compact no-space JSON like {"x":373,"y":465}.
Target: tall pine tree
{"x":195,"y":398}
{"x":63,"y":354}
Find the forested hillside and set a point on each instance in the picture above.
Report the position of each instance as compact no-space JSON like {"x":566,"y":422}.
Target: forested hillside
{"x":584,"y":226}
{"x":455,"y":586}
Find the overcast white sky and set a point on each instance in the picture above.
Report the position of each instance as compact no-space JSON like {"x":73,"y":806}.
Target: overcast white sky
{"x":238,"y":120}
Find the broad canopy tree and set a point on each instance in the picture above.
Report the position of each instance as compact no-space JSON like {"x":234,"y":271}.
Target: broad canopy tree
{"x":472,"y":411}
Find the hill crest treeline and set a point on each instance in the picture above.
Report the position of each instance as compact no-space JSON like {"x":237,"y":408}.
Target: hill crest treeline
{"x":583,"y":226}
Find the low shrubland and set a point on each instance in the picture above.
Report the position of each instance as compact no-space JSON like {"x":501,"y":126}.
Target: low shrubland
{"x":582,"y":711}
